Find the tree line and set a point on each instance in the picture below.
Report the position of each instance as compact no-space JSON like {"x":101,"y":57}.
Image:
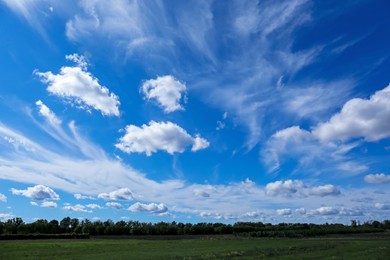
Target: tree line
{"x":75,"y":228}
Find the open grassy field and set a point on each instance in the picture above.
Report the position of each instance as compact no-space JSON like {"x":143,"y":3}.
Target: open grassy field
{"x":337,"y":247}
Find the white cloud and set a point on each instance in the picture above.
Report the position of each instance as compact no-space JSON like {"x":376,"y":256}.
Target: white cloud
{"x":311,"y":154}
{"x":76,"y":208}
{"x":79,"y":86}
{"x":366,"y":118}
{"x":199,"y":143}
{"x":377,"y":178}
{"x":5,"y":216}
{"x":33,"y":203}
{"x":295,"y":187}
{"x":283,"y":187}
{"x":38,"y":192}
{"x":93,"y":206}
{"x":382,"y":206}
{"x":301,"y":211}
{"x":121,"y":194}
{"x":49,"y":204}
{"x":324,"y":190}
{"x":79,"y":196}
{"x":152,"y":207}
{"x":47,"y":113}
{"x":80,"y":60}
{"x":167,"y":91}
{"x":325,"y":211}
{"x":3,"y":198}
{"x":284,"y":212}
{"x":165,"y":136}
{"x":115,"y":205}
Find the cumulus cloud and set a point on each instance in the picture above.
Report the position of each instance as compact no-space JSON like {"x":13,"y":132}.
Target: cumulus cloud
{"x":377,"y":178}
{"x":325,"y":211}
{"x":121,"y":194}
{"x":284,"y":212}
{"x":324,"y":190}
{"x":76,"y":208}
{"x":77,"y":85}
{"x":167,"y":91}
{"x":290,"y":187}
{"x":283,"y":187}
{"x":47,"y":113}
{"x":79,"y":196}
{"x":152,"y":207}
{"x":382,"y":206}
{"x":115,"y":205}
{"x":165,"y":136}
{"x":38,"y":192}
{"x":3,"y":198}
{"x":93,"y":206}
{"x":365,"y":118}
{"x":49,"y":204}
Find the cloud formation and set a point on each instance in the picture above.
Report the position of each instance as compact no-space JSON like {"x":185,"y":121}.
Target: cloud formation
{"x":167,"y":91}
{"x":80,"y":87}
{"x":38,"y":192}
{"x":165,"y":136}
{"x":296,"y":187}
{"x":121,"y":194}
{"x":152,"y":207}
{"x":47,"y":113}
{"x":377,"y":178}
{"x":49,"y":204}
{"x":359,"y":118}
{"x":76,"y":208}
{"x":284,"y":212}
{"x":3,"y":198}
{"x":115,"y":205}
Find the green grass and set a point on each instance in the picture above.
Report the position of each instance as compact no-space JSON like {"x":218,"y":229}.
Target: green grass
{"x":318,"y":248}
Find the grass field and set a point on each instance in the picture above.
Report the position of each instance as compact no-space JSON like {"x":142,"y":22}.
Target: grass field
{"x":222,"y":248}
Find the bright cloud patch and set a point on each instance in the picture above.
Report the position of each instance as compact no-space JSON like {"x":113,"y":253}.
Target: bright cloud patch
{"x":367,"y":118}
{"x":167,"y":91}
{"x":49,"y":204}
{"x":3,"y":198}
{"x":76,"y":208}
{"x":377,"y":178}
{"x":325,"y":211}
{"x":115,"y":205}
{"x":79,"y":86}
{"x":382,"y":206}
{"x":47,"y":113}
{"x":165,"y":136}
{"x":38,"y":192}
{"x":93,"y":206}
{"x":284,"y":212}
{"x":291,"y":187}
{"x":121,"y":194}
{"x":152,"y":208}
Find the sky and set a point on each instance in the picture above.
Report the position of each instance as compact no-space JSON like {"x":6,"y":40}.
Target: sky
{"x":195,"y":111}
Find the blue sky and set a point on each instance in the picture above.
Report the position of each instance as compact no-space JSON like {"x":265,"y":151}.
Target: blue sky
{"x":273,"y":111}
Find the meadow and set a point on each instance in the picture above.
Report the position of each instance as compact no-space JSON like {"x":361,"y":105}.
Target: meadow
{"x":366,"y":246}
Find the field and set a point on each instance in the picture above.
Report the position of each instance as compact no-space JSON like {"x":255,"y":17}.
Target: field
{"x":335,"y":247}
